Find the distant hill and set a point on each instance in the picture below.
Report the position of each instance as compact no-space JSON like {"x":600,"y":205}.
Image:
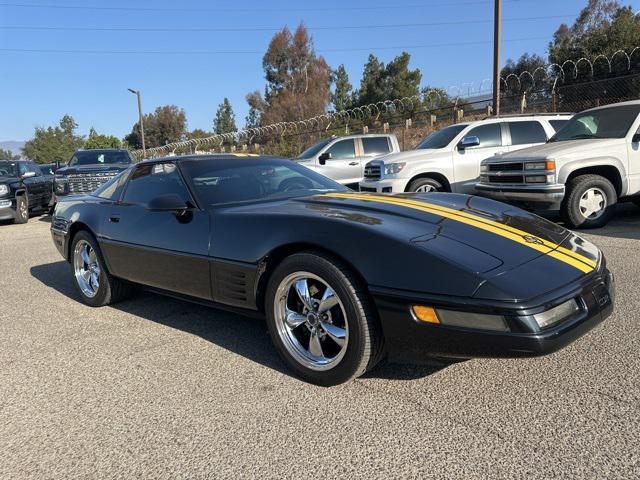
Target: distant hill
{"x":15,"y":147}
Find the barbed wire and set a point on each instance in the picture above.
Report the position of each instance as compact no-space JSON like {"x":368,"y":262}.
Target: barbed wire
{"x":431,"y":99}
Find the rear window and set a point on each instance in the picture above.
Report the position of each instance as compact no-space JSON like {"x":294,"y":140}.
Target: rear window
{"x":375,"y":145}
{"x":523,"y":133}
{"x":99,"y":157}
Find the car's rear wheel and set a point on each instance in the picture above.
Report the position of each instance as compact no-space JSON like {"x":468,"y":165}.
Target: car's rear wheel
{"x":22,"y":209}
{"x":95,"y":285}
{"x":590,"y":202}
{"x":425,"y":185}
{"x":321,"y":319}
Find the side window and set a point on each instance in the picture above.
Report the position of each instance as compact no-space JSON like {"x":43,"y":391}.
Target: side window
{"x":152,"y":180}
{"x":490,"y":135}
{"x":558,"y":124}
{"x":24,"y":168}
{"x":35,"y":168}
{"x":523,"y":133}
{"x":342,"y":149}
{"x":112,"y":189}
{"x":375,"y":145}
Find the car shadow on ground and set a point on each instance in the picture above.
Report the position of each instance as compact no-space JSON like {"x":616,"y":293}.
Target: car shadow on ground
{"x":242,"y":335}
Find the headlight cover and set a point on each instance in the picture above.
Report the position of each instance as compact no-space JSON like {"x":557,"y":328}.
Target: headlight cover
{"x":393,"y":168}
{"x":60,"y":182}
{"x":556,"y":314}
{"x":4,"y":189}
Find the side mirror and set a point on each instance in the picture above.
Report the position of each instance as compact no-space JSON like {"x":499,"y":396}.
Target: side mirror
{"x":168,"y":203}
{"x":468,"y":142}
{"x":635,"y":138}
{"x":324,"y":157}
{"x":28,"y":174}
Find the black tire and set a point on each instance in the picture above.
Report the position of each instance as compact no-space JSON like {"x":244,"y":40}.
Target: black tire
{"x":22,"y":209}
{"x":425,"y":182}
{"x":576,"y":189}
{"x":365,"y":343}
{"x":636,"y":203}
{"x":111,"y":289}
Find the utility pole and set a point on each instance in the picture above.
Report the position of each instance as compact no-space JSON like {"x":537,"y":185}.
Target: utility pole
{"x":497,"y":33}
{"x":140,"y":120}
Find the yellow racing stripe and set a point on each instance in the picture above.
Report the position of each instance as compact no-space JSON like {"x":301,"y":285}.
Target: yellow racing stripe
{"x":562,"y":254}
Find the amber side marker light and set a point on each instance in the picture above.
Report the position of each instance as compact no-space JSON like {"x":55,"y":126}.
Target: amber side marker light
{"x":425,"y":314}
{"x":551,"y":164}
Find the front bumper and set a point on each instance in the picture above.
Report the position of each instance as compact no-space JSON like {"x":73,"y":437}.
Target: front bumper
{"x":387,"y":185}
{"x":548,"y":195}
{"x":409,"y":340}
{"x":7,"y":209}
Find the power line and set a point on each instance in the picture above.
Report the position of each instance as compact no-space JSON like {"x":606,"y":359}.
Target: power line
{"x":200,"y":10}
{"x":254,"y":52}
{"x":267,"y":29}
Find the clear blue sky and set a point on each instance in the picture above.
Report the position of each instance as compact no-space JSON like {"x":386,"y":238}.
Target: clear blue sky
{"x":38,"y":87}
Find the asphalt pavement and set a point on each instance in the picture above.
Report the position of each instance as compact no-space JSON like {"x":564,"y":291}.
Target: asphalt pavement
{"x":158,"y":388}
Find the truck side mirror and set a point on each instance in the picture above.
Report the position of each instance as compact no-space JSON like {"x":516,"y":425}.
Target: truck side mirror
{"x":28,"y":174}
{"x":635,"y":138}
{"x":324,"y":157}
{"x":468,"y":142}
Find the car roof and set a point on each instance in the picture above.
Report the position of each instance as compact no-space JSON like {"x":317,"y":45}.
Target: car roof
{"x":619,"y":104}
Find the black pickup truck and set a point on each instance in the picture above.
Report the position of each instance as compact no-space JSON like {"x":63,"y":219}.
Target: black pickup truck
{"x":89,"y":169}
{"x":24,"y":188}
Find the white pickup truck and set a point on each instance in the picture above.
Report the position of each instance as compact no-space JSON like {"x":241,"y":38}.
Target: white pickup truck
{"x":343,"y":158}
{"x":449,"y":159}
{"x":583,"y":171}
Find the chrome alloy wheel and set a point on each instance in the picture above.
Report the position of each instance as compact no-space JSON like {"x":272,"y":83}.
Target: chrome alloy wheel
{"x":311,"y":321}
{"x":86,"y":268}
{"x":426,"y":189}
{"x":593,"y":203}
{"x":24,"y":209}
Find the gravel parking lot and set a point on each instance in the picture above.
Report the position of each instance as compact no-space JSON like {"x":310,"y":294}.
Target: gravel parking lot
{"x":158,"y":388}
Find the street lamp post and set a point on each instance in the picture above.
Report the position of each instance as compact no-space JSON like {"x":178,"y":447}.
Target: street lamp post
{"x":140,"y":121}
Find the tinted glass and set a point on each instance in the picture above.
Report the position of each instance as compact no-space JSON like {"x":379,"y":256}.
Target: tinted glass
{"x":219,"y":181}
{"x":610,"y":122}
{"x":24,"y":168}
{"x":152,"y":180}
{"x":90,"y":157}
{"x":47,"y":169}
{"x":375,"y":145}
{"x":441,"y":138}
{"x":111,"y":190}
{"x":35,"y":168}
{"x":9,"y":169}
{"x":490,"y":135}
{"x":527,"y":132}
{"x":342,"y":149}
{"x":314,"y":149}
{"x":558,"y":124}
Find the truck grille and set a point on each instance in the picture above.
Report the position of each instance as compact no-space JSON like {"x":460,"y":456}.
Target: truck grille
{"x":373,"y":171}
{"x":80,"y":183}
{"x":506,"y":179}
{"x":505,"y":167}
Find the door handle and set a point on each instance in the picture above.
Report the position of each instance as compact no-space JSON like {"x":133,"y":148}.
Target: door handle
{"x":353,"y":164}
{"x":114,"y":218}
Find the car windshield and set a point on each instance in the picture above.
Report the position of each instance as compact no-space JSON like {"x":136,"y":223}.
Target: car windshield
{"x":218,"y":181}
{"x":8,"y":169}
{"x":611,"y":122}
{"x":91,"y":157}
{"x":313,"y":150}
{"x":441,"y":138}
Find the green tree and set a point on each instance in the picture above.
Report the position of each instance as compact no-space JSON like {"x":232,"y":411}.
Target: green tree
{"x":8,"y":155}
{"x":342,"y":96}
{"x":372,"y":85}
{"x":167,"y":124}
{"x":96,"y":141}
{"x":225,"y":119}
{"x":256,"y":107}
{"x":380,"y":83}
{"x":198,"y":133}
{"x":53,"y":144}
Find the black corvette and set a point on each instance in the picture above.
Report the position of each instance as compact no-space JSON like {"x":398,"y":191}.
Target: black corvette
{"x":343,"y":278}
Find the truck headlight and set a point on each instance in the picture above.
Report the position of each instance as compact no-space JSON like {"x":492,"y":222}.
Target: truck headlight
{"x":546,"y":165}
{"x":61,"y":184}
{"x":4,"y":189}
{"x":393,"y":168}
{"x":484,"y":168}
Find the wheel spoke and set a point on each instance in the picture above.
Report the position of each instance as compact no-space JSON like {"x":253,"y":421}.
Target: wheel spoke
{"x":315,"y":348}
{"x":294,"y":319}
{"x":328,"y":301}
{"x":86,"y":275}
{"x":94,"y":281}
{"x":336,"y":334}
{"x":302,"y":289}
{"x":92,"y":256}
{"x":85,"y":256}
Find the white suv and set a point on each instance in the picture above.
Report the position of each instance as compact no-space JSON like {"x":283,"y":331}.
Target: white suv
{"x":449,"y":159}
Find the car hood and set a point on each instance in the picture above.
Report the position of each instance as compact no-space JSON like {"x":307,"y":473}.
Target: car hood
{"x":484,"y":238}
{"x":553,"y":150}
{"x":412,"y":155}
{"x":93,"y":168}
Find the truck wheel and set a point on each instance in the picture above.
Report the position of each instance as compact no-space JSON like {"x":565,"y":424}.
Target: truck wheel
{"x":95,"y":285}
{"x":425,"y":185}
{"x":590,"y":202}
{"x":321,"y":319}
{"x":22,"y":209}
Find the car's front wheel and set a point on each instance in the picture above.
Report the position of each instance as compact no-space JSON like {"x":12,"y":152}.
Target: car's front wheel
{"x":321,"y":319}
{"x":95,"y":285}
{"x":22,"y":209}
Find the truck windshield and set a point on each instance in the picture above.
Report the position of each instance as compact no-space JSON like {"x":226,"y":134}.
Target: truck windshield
{"x":92,"y":157}
{"x":8,"y":169}
{"x":611,"y":122}
{"x":441,"y":138}
{"x":313,"y":150}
